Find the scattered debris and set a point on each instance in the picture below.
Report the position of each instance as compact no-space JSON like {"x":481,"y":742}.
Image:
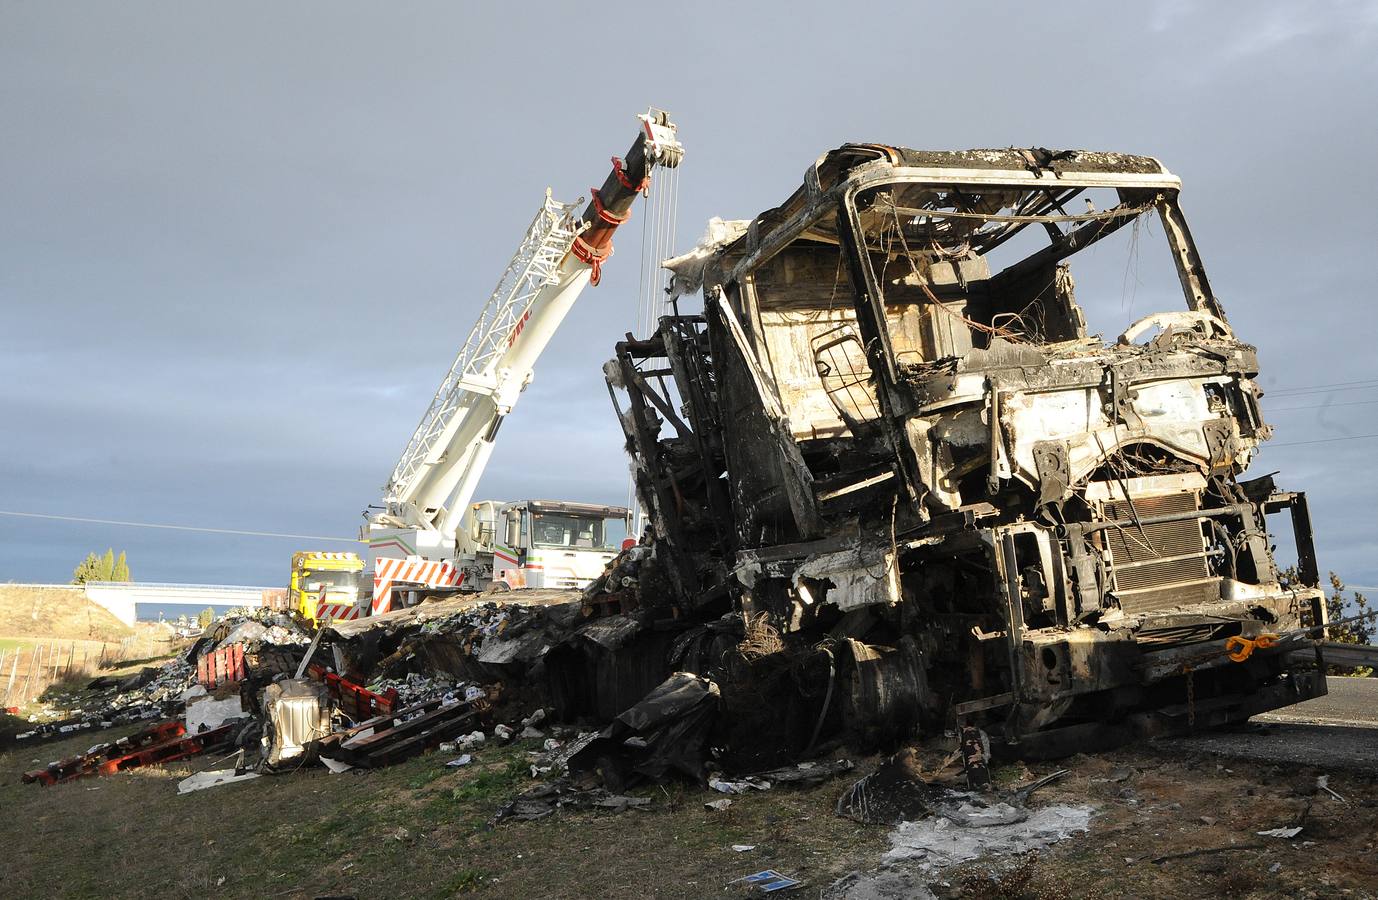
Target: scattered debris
{"x":1323,"y":783}
{"x":718,"y":805}
{"x":738,"y":787}
{"x":768,"y":882}
{"x":460,"y":761}
{"x":895,"y":792}
{"x":1281,"y":832}
{"x":205,"y":712}
{"x":296,"y":718}
{"x":664,"y":732}
{"x":400,"y":735}
{"x":810,"y":772}
{"x":1207,"y":851}
{"x":543,"y":799}
{"x":213,"y":778}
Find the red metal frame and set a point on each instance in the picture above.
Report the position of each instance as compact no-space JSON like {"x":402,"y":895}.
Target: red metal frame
{"x":159,"y":743}
{"x":359,"y":703}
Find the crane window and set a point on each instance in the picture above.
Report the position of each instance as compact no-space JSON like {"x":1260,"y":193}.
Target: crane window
{"x":553,"y":530}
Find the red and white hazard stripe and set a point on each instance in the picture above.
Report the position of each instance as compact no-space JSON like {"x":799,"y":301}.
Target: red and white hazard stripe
{"x":412,"y":570}
{"x":338,"y":612}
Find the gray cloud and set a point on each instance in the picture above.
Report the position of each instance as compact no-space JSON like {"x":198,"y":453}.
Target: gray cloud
{"x":240,"y":245}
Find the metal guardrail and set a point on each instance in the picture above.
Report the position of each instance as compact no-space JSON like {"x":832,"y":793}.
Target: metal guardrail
{"x":1336,"y":653}
{"x":144,"y":585}
{"x":141,"y":584}
{"x":58,"y":587}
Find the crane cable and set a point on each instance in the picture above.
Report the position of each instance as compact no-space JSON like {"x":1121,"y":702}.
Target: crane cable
{"x":658,"y":231}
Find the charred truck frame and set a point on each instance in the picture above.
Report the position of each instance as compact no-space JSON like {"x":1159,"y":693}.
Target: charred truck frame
{"x":890,"y":435}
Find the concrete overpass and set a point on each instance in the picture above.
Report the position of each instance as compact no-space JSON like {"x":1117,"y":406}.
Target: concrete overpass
{"x":122,"y":598}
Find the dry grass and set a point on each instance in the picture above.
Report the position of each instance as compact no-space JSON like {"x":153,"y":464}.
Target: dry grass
{"x":52,"y":613}
{"x":50,"y":636}
{"x":415,"y":830}
{"x":421,"y":830}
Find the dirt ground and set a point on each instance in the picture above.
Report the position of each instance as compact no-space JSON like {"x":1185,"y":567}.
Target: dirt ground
{"x":1158,"y":801}
{"x":420,"y":829}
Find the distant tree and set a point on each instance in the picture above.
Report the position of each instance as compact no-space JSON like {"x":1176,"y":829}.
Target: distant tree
{"x":1361,"y":631}
{"x":121,"y":572}
{"x":206,"y":618}
{"x":87,"y":570}
{"x":107,"y":566}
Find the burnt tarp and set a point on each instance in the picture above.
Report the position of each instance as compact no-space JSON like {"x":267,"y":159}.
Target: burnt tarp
{"x":605,"y":666}
{"x":474,"y":639}
{"x":666,"y":731}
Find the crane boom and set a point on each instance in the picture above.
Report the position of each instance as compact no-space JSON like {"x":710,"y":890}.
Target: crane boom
{"x":433,"y":482}
{"x":474,"y":390}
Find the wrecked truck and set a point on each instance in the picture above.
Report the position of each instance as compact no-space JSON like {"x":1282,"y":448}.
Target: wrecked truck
{"x":891,"y":439}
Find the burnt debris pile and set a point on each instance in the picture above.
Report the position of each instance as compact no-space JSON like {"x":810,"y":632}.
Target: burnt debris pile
{"x":897,"y":491}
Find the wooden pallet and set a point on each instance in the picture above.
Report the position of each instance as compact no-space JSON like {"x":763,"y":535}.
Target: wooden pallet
{"x":390,"y":739}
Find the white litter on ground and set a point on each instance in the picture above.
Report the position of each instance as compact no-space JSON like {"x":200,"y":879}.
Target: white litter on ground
{"x":920,"y":850}
{"x":212,"y":778}
{"x":937,"y":842}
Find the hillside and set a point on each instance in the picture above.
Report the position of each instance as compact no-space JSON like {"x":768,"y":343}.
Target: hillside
{"x":56,"y":613}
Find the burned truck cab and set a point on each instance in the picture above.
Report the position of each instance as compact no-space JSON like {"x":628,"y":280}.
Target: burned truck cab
{"x":893,"y":432}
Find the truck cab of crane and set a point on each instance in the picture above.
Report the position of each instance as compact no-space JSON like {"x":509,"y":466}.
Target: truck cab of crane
{"x":556,"y":543}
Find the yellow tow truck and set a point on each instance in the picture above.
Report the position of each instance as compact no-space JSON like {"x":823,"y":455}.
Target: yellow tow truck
{"x":325,"y":585}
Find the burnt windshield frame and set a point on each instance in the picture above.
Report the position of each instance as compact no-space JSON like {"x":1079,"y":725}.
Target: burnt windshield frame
{"x":1164,"y":191}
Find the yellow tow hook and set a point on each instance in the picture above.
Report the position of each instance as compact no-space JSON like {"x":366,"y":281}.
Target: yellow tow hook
{"x":1241,"y":648}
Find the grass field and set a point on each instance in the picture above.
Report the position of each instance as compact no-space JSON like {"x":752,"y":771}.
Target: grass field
{"x":422,"y":830}
{"x":417,"y":829}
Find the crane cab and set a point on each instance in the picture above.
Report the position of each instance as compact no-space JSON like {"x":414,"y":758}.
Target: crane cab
{"x":556,"y":543}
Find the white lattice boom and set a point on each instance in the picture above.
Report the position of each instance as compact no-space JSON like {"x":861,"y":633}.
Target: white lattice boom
{"x":534,"y":267}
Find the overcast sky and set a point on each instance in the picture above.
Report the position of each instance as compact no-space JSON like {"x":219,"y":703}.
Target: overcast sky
{"x":240,"y":243}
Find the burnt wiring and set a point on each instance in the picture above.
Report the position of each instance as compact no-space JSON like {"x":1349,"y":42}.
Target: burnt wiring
{"x":1222,"y":535}
{"x":990,"y":330}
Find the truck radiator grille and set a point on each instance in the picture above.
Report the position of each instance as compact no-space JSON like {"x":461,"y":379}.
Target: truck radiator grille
{"x":1160,"y":565}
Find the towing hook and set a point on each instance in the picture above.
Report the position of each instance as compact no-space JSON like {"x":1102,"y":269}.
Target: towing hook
{"x":1241,"y":648}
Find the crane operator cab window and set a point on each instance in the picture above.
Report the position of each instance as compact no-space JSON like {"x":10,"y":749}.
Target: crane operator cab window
{"x":555,"y":530}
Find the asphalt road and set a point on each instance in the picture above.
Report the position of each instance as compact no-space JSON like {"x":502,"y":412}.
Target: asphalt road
{"x":1351,"y":701}
{"x":1339,"y":730}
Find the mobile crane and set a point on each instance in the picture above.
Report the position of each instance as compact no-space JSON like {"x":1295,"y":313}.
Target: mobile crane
{"x":428,"y":534}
